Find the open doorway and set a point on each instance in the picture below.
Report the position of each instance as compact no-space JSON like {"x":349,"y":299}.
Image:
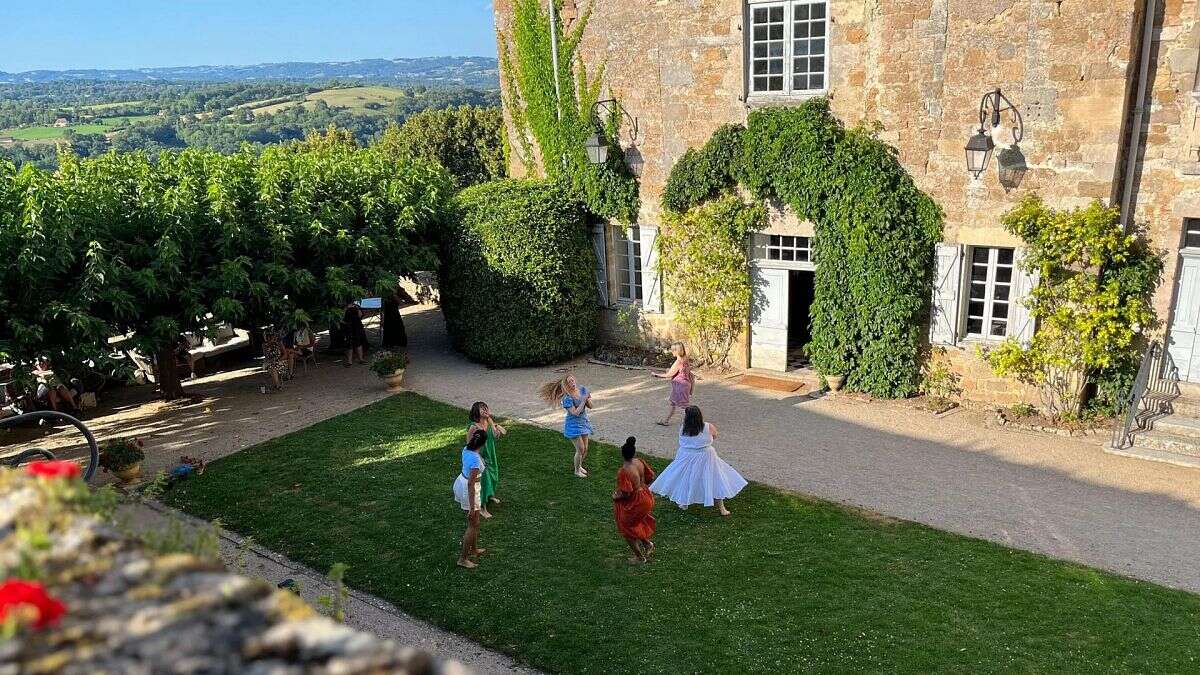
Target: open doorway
{"x":799,"y":327}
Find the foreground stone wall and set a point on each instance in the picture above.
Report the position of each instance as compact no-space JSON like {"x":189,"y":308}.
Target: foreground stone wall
{"x":129,"y":610}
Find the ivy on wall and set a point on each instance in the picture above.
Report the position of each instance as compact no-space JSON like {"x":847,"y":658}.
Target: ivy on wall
{"x":552,"y":127}
{"x":875,"y":233}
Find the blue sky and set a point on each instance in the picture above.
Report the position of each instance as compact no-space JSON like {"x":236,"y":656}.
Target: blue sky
{"x":62,"y":34}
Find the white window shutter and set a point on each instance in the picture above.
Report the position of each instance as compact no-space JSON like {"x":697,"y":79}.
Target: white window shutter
{"x":601,"y":248}
{"x":1021,"y":319}
{"x":651,"y":278}
{"x":947,"y":285}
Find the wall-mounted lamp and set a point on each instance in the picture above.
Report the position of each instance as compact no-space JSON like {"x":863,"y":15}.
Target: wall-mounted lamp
{"x":596,"y":144}
{"x":980,"y":146}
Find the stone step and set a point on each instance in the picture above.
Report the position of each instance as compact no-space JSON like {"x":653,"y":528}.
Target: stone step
{"x":1178,"y":425}
{"x":1189,"y":390}
{"x":1164,"y":441}
{"x":1186,"y":406}
{"x":1139,"y":452}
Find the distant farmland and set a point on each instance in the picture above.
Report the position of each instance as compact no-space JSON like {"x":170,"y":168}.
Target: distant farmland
{"x":355,"y":99}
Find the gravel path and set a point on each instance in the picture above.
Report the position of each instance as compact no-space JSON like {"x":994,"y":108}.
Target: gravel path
{"x":1059,"y":496}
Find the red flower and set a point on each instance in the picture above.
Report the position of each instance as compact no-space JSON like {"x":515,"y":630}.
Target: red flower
{"x":140,"y":443}
{"x":16,"y":593}
{"x":56,"y":469}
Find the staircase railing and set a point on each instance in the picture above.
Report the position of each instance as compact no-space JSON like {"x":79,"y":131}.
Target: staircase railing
{"x":1154,"y":387}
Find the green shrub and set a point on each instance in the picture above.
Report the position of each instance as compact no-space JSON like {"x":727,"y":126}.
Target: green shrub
{"x":703,"y":174}
{"x":121,"y":454}
{"x":517,"y":274}
{"x":386,"y":362}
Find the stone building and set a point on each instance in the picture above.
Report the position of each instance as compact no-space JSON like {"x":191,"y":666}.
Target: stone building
{"x":1105,"y":90}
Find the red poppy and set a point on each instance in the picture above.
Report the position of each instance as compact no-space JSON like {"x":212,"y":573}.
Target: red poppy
{"x":16,"y":593}
{"x":53,"y":469}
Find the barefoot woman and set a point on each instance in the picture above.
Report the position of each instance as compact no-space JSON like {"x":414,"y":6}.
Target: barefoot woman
{"x":577,"y":427}
{"x":633,"y":503}
{"x":466,"y":493}
{"x":481,"y":420}
{"x":681,"y":379}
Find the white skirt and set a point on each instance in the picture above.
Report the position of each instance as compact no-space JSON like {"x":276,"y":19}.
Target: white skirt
{"x":697,"y":477}
{"x":460,"y":492}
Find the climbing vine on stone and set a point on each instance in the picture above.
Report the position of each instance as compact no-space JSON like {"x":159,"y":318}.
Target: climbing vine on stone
{"x":875,"y":233}
{"x":552,"y":127}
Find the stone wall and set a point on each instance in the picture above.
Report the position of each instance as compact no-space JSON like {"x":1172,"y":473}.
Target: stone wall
{"x":131,"y":610}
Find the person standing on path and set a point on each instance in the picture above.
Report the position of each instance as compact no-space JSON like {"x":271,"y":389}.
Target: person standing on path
{"x":697,"y":475}
{"x":682,"y":381}
{"x":576,"y":427}
{"x":481,"y":420}
{"x":633,"y":504}
{"x":354,"y":334}
{"x":466,"y":493}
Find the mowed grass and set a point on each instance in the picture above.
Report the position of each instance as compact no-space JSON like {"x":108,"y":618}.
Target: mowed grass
{"x":787,"y":584}
{"x":50,"y":132}
{"x":351,"y":98}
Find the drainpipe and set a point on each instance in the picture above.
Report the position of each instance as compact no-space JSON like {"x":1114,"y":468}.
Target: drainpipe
{"x":1139,"y":107}
{"x":554,"y":57}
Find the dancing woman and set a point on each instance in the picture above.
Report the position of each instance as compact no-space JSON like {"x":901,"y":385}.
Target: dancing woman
{"x":466,"y":493}
{"x":697,"y":475}
{"x":633,"y":503}
{"x":576,"y":427}
{"x":682,"y":380}
{"x":481,"y":420}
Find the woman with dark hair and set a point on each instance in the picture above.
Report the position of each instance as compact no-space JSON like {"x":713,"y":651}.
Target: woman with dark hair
{"x":354,"y":334}
{"x":481,"y":420}
{"x":466,"y":493}
{"x":394,"y":334}
{"x":633,"y":503}
{"x":697,"y":475}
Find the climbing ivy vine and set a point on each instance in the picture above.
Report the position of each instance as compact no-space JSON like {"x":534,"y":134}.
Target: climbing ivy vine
{"x":875,"y":232}
{"x":551,"y":127}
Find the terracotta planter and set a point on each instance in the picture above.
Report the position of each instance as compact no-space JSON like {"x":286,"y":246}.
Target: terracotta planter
{"x":129,"y":473}
{"x":393,"y":381}
{"x":835,"y":382}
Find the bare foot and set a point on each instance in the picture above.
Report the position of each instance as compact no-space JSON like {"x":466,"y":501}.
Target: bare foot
{"x":485,"y":513}
{"x":480,"y":551}
{"x":649,"y":548}
{"x":494,"y":500}
{"x":724,"y":511}
{"x":581,"y":474}
{"x":635,"y":560}
{"x":463,"y":562}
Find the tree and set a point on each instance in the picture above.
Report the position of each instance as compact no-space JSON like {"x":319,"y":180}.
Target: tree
{"x":465,"y":140}
{"x":1092,"y":301}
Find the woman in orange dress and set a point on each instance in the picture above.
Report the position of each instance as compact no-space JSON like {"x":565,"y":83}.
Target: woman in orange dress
{"x":633,"y":503}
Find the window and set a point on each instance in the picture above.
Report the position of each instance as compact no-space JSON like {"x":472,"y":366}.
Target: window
{"x":788,"y":46}
{"x":628,"y":248}
{"x":788,"y":248}
{"x":991,"y":280}
{"x":1191,"y":232}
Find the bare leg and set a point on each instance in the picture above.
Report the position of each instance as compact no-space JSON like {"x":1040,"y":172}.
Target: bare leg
{"x":470,"y":539}
{"x":578,"y":442}
{"x":349,"y":356}
{"x":583,"y":454}
{"x":647,"y":547}
{"x":670,"y":413}
{"x":52,"y":398}
{"x":637,"y":557}
{"x":721,"y":507}
{"x":275,"y":380}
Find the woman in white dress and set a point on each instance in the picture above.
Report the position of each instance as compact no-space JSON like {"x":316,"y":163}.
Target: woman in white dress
{"x":697,"y":475}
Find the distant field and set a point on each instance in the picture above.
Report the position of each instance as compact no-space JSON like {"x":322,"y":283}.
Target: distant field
{"x":48,"y":132}
{"x":124,"y":119}
{"x":107,"y":106}
{"x":351,"y":98}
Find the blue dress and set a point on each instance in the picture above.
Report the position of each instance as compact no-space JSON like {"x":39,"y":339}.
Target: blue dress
{"x":576,"y":425}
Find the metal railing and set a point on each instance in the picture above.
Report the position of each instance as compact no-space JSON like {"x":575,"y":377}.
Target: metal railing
{"x":39,"y":453}
{"x":1154,"y":388}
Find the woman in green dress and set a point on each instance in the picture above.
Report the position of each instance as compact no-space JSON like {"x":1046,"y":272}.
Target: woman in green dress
{"x":481,"y":419}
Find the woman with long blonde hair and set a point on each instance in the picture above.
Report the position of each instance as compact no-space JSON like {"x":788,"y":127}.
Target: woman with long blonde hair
{"x":682,"y":381}
{"x":575,"y":400}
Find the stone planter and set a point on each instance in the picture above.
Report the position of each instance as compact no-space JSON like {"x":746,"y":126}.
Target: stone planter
{"x":130,"y":473}
{"x":393,"y":381}
{"x":835,"y":382}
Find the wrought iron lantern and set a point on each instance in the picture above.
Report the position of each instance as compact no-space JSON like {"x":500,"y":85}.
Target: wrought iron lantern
{"x":597,"y":143}
{"x":980,"y":146}
{"x":597,"y":149}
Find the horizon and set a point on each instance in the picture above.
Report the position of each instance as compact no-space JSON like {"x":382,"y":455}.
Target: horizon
{"x":146,"y":34}
{"x":252,"y":65}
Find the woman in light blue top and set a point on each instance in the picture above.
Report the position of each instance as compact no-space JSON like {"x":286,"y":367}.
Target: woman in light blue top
{"x":466,"y":493}
{"x":575,"y":400}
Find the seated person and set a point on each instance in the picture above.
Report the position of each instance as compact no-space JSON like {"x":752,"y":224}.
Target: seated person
{"x":52,"y":392}
{"x":300,"y":342}
{"x":184,"y":356}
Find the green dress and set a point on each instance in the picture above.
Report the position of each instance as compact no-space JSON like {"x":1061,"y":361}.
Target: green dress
{"x":491,"y":471}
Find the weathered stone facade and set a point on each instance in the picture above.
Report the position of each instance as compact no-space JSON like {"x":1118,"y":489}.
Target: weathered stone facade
{"x":920,"y":67}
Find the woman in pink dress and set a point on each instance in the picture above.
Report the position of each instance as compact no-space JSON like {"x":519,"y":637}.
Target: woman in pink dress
{"x":682,"y":380}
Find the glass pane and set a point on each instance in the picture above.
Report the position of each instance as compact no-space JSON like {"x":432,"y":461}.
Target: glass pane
{"x":800,"y":65}
{"x":776,"y":32}
{"x":760,"y":14}
{"x":760,"y":33}
{"x":1003,"y":275}
{"x":801,"y":11}
{"x":776,"y":49}
{"x":789,"y":254}
{"x":816,"y":82}
{"x":760,"y":49}
{"x":801,"y":30}
{"x":1192,"y":240}
{"x":999,"y":328}
{"x":975,"y":308}
{"x":802,"y":255}
{"x":816,"y":46}
{"x":978,"y":292}
{"x":790,"y":242}
{"x":776,"y":13}
{"x":800,"y":47}
{"x":772,"y":254}
{"x":776,"y":84}
{"x":817,"y":29}
{"x":978,"y":272}
{"x":975,"y":326}
{"x":1002,"y":293}
{"x":760,"y":67}
{"x":979,"y":255}
{"x":1004,"y":256}
{"x":800,"y":83}
{"x":816,"y":64}
{"x":776,"y":66}
{"x":818,"y":11}
{"x":1000,"y":310}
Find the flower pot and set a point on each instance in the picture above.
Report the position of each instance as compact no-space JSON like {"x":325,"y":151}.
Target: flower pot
{"x":835,"y":382}
{"x":129,"y":473}
{"x":393,"y":381}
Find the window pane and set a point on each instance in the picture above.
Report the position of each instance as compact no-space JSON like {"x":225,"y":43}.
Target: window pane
{"x":816,"y":46}
{"x":777,"y":14}
{"x":760,"y":49}
{"x":978,"y":291}
{"x":816,"y":64}
{"x":772,"y":254}
{"x":979,"y":255}
{"x":775,"y":84}
{"x":760,"y":67}
{"x":802,"y":255}
{"x":979,"y":272}
{"x":1000,"y":310}
{"x":776,"y":32}
{"x":800,"y":83}
{"x":975,"y":326}
{"x":760,"y":33}
{"x":817,"y":28}
{"x":800,"y":47}
{"x":999,"y":328}
{"x":760,"y":14}
{"x":801,"y":11}
{"x":1004,"y":256}
{"x":1003,"y":275}
{"x":801,"y":30}
{"x":816,"y":82}
{"x":975,"y":308}
{"x":776,"y":49}
{"x":776,"y":66}
{"x":818,"y":11}
{"x":1001,"y":294}
{"x":789,"y":254}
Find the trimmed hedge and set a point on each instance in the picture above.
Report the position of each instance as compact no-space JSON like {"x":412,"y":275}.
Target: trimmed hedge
{"x":517,"y":275}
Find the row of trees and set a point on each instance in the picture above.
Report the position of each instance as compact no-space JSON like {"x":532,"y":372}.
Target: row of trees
{"x":120,"y":244}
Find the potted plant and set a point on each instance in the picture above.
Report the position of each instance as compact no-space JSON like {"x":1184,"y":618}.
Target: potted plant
{"x":836,"y":375}
{"x":123,"y":458}
{"x":389,"y":366}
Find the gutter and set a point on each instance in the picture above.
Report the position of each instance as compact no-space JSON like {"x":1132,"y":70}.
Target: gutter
{"x":1139,"y":109}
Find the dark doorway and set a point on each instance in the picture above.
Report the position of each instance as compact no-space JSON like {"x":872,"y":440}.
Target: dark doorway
{"x":800,"y":299}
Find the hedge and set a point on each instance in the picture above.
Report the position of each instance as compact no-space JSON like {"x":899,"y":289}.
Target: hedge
{"x":517,"y":274}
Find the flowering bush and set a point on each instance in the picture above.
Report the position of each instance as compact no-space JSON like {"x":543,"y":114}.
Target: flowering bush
{"x":53,"y":469}
{"x":20,"y":598}
{"x":121,"y":454}
{"x":386,"y":363}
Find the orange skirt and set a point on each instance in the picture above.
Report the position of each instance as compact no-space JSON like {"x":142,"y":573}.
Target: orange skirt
{"x":633,"y":515}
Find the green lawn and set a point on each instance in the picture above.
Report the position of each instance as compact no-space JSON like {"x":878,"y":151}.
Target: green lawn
{"x":787,"y":584}
{"x":49,"y":132}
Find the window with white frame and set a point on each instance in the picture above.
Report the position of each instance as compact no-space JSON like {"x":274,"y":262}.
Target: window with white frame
{"x":627,"y":246}
{"x":1191,"y":232}
{"x":788,"y":248}
{"x":788,"y":44}
{"x":989,"y":291}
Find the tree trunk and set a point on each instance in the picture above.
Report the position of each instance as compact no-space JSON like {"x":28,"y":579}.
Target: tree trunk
{"x":168,"y":374}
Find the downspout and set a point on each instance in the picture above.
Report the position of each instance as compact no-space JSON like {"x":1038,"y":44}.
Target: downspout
{"x":1139,"y":107}
{"x":554,"y":58}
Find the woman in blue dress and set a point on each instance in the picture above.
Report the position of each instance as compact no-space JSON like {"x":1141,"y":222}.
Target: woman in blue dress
{"x":575,"y":400}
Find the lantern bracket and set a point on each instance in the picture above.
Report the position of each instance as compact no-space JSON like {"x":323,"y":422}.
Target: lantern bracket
{"x":991,"y":109}
{"x":610,"y":105}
